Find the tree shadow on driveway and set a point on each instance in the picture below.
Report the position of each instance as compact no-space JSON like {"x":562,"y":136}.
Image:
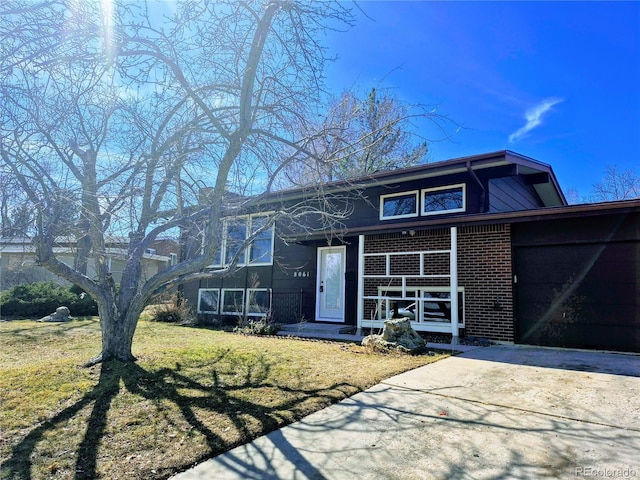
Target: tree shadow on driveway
{"x":489,"y":413}
{"x":612,"y":363}
{"x":395,"y":433}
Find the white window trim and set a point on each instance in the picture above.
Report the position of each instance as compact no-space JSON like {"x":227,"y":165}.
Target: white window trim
{"x":463,"y":186}
{"x":418,"y":297}
{"x":224,"y":290}
{"x":217,"y":308}
{"x":248,"y":296}
{"x":401,"y":194}
{"x":250,"y":232}
{"x":242,"y":260}
{"x":220,"y":251}
{"x":246,"y":258}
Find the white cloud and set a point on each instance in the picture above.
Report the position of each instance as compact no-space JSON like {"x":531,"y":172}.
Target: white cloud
{"x":533,"y":116}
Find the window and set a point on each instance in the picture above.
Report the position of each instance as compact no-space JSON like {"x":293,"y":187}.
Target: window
{"x":437,"y":306}
{"x":217,"y":260}
{"x":173,"y":259}
{"x":450,"y":199}
{"x":399,"y":205}
{"x":405,"y":306}
{"x":261,"y":250}
{"x":434,"y":201}
{"x":420,"y":304}
{"x":232,"y":301}
{"x":236,"y":234}
{"x":258,"y":302}
{"x":208,"y":299}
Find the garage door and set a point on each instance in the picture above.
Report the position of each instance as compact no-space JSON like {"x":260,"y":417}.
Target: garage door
{"x":582,"y":295}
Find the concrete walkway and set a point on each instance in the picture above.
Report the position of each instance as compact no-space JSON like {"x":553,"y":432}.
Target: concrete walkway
{"x":495,"y":412}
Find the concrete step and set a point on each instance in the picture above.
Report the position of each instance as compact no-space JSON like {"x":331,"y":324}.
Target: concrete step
{"x":322,"y":328}
{"x":321,"y":331}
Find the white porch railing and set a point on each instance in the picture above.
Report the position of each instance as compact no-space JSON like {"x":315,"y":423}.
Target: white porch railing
{"x":448,"y":326}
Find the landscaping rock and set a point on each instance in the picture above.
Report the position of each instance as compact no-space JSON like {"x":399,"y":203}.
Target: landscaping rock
{"x":62,"y":314}
{"x":397,"y":335}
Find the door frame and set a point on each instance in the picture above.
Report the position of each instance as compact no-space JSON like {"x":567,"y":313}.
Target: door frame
{"x":342,"y":249}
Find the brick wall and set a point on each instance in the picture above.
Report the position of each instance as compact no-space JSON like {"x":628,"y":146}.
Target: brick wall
{"x":484,"y":270}
{"x":484,"y":266}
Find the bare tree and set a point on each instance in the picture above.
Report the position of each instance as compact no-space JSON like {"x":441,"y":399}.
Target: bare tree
{"x":362,"y":136}
{"x":134,"y":117}
{"x":573,"y":196}
{"x":616,"y":185}
{"x":16,"y":217}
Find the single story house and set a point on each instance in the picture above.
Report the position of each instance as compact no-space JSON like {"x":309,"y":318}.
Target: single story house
{"x":482,"y":246}
{"x":18,"y":263}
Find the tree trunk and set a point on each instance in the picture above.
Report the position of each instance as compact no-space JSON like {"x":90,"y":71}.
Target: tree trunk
{"x":118,"y":329}
{"x":117,"y":338}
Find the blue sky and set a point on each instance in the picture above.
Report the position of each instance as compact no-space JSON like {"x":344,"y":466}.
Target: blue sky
{"x":559,"y":82}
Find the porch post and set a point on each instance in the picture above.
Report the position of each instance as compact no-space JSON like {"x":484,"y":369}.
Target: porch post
{"x":453,"y":271}
{"x":360,"y":293}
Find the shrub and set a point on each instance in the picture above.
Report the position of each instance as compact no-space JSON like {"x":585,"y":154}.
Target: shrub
{"x":83,"y":305}
{"x":35,"y":300}
{"x":262,"y":326}
{"x":175,"y":310}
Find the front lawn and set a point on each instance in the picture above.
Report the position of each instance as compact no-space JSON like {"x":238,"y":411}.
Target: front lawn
{"x":194,"y":393}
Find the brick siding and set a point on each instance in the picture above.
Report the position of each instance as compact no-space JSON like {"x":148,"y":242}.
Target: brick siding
{"x":484,"y":270}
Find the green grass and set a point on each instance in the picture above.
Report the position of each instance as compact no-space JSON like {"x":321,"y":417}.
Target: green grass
{"x":194,"y":393}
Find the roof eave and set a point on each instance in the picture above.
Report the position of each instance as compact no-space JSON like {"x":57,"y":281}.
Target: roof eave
{"x":436,"y":169}
{"x":547,"y":213}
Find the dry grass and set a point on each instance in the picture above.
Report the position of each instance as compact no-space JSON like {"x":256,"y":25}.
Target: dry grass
{"x":194,"y":393}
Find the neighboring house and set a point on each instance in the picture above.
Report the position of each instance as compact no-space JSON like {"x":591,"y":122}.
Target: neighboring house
{"x":18,"y":263}
{"x":494,"y":228}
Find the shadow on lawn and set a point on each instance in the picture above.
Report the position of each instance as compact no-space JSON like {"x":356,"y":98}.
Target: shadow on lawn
{"x":36,"y":330}
{"x":165,"y":384}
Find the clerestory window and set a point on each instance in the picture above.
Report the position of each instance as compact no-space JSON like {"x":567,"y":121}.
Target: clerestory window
{"x":399,"y":205}
{"x":450,"y":199}
{"x":428,"y":201}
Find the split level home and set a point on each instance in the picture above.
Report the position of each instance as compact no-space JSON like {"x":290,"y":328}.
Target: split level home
{"x":483,"y":246}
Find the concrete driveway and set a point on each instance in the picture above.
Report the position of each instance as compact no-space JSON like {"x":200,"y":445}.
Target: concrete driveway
{"x":500,"y":412}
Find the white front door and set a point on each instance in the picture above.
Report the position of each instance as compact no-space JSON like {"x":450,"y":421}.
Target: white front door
{"x":330,"y":286}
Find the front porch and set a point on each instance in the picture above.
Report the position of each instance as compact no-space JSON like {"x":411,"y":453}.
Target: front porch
{"x":346,"y":333}
{"x":414,"y":278}
{"x":349,"y":333}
